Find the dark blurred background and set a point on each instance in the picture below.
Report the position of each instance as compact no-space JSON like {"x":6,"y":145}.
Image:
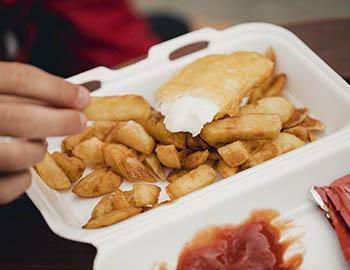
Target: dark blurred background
{"x":224,"y":12}
{"x":67,"y":37}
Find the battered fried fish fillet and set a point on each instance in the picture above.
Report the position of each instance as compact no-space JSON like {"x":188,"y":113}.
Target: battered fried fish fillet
{"x":215,"y":84}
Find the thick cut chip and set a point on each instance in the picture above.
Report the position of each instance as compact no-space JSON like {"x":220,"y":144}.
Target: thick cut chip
{"x":90,"y":151}
{"x":195,"y":143}
{"x":200,"y":177}
{"x":277,"y":86}
{"x":195,"y":159}
{"x":270,"y":105}
{"x":123,"y":199}
{"x":133,"y":135}
{"x":298,"y":116}
{"x":270,"y":54}
{"x":154,"y":125}
{"x":104,"y":206}
{"x":312,"y":136}
{"x":52,"y":174}
{"x":301,"y":132}
{"x":234,"y":154}
{"x":73,"y":167}
{"x":168,"y":156}
{"x":153,"y":164}
{"x":312,"y":124}
{"x":214,"y":155}
{"x":225,"y":170}
{"x":257,"y":92}
{"x":286,"y":142}
{"x":263,"y":152}
{"x":174,"y":174}
{"x":112,"y":217}
{"x":243,"y":127}
{"x":103,"y":128}
{"x":145,"y":194}
{"x":70,"y":142}
{"x":117,"y":108}
{"x":124,"y":162}
{"x":97,"y":183}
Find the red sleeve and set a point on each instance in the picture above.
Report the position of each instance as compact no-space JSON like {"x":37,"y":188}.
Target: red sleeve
{"x":97,"y":32}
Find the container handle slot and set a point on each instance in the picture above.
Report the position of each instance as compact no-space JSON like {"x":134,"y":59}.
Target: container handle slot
{"x":92,"y":85}
{"x":188,"y":49}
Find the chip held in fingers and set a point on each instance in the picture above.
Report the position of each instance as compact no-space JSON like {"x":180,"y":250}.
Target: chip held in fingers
{"x":117,"y":108}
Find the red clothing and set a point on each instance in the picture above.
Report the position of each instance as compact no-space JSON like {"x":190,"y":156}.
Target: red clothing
{"x":69,"y":36}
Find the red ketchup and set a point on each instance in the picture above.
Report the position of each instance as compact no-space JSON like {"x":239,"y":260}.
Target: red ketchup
{"x":253,"y":245}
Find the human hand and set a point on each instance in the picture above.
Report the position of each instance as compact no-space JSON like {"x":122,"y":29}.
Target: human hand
{"x":33,"y":105}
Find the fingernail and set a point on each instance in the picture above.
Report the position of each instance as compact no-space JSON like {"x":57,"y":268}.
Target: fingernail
{"x":83,"y":97}
{"x":83,"y":120}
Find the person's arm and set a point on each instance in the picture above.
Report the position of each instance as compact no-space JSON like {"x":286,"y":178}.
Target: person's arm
{"x":33,"y":105}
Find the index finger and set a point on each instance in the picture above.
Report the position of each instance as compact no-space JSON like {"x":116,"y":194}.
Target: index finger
{"x":28,"y":81}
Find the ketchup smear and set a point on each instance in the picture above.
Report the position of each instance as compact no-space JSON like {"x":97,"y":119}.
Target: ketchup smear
{"x":253,"y":245}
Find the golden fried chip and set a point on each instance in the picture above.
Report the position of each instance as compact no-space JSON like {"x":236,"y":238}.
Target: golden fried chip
{"x":104,"y":206}
{"x":277,"y":86}
{"x":312,"y":136}
{"x":133,"y":135}
{"x":257,"y":92}
{"x":90,"y":151}
{"x":213,"y":155}
{"x":312,"y":124}
{"x":70,"y":142}
{"x":112,"y":217}
{"x":174,"y":174}
{"x":123,"y":199}
{"x":154,"y":125}
{"x":168,"y":156}
{"x":153,"y":164}
{"x":243,"y":127}
{"x":103,"y":128}
{"x":265,"y":151}
{"x":270,"y":105}
{"x":195,"y":159}
{"x":97,"y":183}
{"x":286,"y":142}
{"x":117,"y":108}
{"x":200,"y":177}
{"x":52,"y":174}
{"x":301,"y":132}
{"x":123,"y":161}
{"x":73,"y":167}
{"x":270,"y":54}
{"x":145,"y":194}
{"x":225,"y":170}
{"x":298,"y":116}
{"x":195,"y":143}
{"x":234,"y":154}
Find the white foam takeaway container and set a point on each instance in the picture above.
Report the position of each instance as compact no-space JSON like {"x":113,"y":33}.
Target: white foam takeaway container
{"x":282,"y":183}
